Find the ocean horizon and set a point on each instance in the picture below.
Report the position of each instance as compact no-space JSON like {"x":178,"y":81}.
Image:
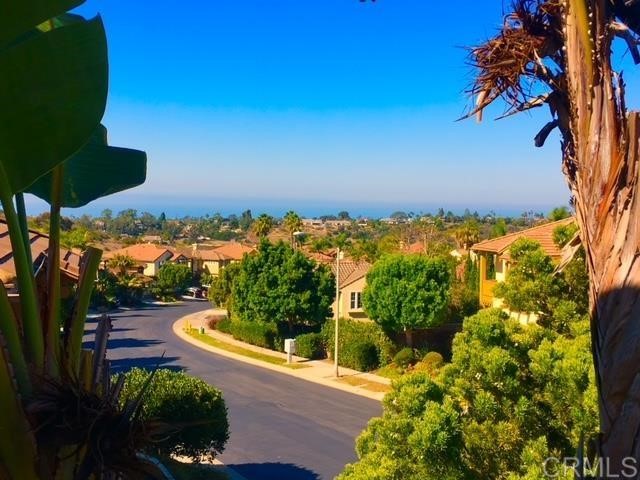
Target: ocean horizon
{"x":180,"y":207}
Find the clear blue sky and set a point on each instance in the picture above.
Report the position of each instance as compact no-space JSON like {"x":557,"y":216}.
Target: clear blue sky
{"x":314,"y":104}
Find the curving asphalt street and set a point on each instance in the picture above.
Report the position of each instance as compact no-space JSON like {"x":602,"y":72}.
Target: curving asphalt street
{"x":281,"y":427}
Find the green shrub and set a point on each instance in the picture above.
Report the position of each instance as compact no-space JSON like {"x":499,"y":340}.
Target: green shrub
{"x":213,"y":321}
{"x":188,"y":403}
{"x":431,"y":363}
{"x":224,"y":325}
{"x":311,"y":345}
{"x":257,"y":333}
{"x":353,"y":333}
{"x":404,"y":358}
{"x":363,"y":356}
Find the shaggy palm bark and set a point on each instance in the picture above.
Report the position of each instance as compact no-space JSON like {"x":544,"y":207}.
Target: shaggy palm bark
{"x":566,"y":47}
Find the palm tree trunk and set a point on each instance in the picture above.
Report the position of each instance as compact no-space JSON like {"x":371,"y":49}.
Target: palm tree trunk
{"x":602,"y":167}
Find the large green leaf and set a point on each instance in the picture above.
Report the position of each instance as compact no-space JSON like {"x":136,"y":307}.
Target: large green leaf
{"x":53,"y":89}
{"x":97,"y":170}
{"x":19,"y":16}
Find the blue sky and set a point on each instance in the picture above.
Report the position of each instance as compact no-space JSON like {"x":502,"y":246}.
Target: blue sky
{"x":314,"y":104}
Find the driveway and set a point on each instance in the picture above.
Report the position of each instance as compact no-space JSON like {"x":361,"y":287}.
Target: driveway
{"x":281,"y":427}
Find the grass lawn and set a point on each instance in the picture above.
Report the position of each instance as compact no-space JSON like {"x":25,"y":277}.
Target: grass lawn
{"x":214,"y":342}
{"x":356,"y":381}
{"x":390,"y":371}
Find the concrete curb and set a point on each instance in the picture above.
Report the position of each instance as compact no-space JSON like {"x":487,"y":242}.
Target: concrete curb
{"x":178,"y":330}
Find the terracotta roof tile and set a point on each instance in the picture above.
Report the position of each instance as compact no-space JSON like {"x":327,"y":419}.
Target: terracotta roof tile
{"x":234,"y":250}
{"x":69,"y":259}
{"x":350,"y":271}
{"x":543,"y":234}
{"x":142,"y":252}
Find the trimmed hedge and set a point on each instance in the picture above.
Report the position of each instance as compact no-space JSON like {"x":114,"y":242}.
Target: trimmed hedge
{"x":356,"y":342}
{"x":213,"y":321}
{"x":224,"y":325}
{"x":257,"y":333}
{"x":196,"y":409}
{"x":311,"y":345}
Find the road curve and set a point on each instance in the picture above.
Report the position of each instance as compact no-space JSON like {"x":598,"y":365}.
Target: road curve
{"x":281,"y":427}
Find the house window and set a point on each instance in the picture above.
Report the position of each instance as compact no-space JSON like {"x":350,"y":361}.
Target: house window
{"x":356,"y":300}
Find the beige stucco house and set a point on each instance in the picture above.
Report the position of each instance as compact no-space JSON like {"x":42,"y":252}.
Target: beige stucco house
{"x":351,"y":282}
{"x":148,"y":257}
{"x":495,"y":260}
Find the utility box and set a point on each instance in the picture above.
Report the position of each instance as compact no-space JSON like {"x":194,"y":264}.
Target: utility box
{"x":290,"y":346}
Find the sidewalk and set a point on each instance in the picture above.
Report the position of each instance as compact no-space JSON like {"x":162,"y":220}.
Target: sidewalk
{"x":316,"y":371}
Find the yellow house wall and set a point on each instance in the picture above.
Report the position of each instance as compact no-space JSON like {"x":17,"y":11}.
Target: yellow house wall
{"x":151,"y":269}
{"x":345,"y":301}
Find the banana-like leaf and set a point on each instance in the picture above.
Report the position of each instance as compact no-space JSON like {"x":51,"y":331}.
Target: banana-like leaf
{"x":53,"y":91}
{"x":17,"y":445}
{"x":18,"y":17}
{"x":97,"y":170}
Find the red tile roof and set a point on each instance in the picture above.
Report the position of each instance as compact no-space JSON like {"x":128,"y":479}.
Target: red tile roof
{"x":69,"y":259}
{"x":142,"y":252}
{"x":234,"y":250}
{"x":543,"y":234}
{"x":350,"y":271}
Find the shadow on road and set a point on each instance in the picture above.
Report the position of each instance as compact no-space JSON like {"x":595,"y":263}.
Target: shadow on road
{"x":149,"y":363}
{"x":274,"y":471}
{"x":115,"y":343}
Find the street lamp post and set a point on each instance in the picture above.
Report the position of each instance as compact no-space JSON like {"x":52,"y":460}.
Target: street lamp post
{"x":335,"y":354}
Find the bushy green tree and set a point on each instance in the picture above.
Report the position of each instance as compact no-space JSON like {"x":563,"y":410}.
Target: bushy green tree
{"x":511,"y":396}
{"x":172,"y":280}
{"x":530,"y":283}
{"x":533,"y":286}
{"x":221,"y":286}
{"x":278,"y":284}
{"x":559,"y":213}
{"x":407,"y":292}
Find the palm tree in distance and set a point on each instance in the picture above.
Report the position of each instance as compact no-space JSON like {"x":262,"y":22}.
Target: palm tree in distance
{"x":558,"y":54}
{"x":292,"y":223}
{"x":263,"y":225}
{"x":122,"y":264}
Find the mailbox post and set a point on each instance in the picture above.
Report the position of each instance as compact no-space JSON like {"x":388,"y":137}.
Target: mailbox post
{"x":290,"y":348}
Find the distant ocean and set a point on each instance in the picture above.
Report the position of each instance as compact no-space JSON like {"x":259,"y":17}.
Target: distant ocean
{"x":179,"y":207}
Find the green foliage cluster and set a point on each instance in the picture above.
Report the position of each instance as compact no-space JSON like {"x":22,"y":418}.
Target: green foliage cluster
{"x":512,"y":396}
{"x":407,"y":292}
{"x":261,"y":334}
{"x":404,"y":358}
{"x":532,"y":286}
{"x":464,"y":300}
{"x":357,"y":342}
{"x":281,"y":285}
{"x":171,"y":282}
{"x":224,"y":325}
{"x":176,"y":398}
{"x":311,"y":345}
{"x":430,"y":363}
{"x":220,"y":287}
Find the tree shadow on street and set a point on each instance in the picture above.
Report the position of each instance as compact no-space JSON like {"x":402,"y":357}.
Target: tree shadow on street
{"x":274,"y":471}
{"x":149,"y":363}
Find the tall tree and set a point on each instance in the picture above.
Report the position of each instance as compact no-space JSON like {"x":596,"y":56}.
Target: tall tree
{"x":263,"y":225}
{"x":292,"y":223}
{"x":559,"y":54}
{"x":467,"y":234}
{"x":407,"y":292}
{"x":278,"y":284}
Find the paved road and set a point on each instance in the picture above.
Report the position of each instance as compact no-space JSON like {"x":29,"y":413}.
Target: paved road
{"x":281,"y":427}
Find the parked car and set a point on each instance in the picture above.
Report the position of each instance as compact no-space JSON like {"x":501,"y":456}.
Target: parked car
{"x":194,"y":292}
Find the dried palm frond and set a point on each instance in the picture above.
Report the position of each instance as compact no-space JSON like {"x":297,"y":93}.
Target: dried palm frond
{"x":512,"y":64}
